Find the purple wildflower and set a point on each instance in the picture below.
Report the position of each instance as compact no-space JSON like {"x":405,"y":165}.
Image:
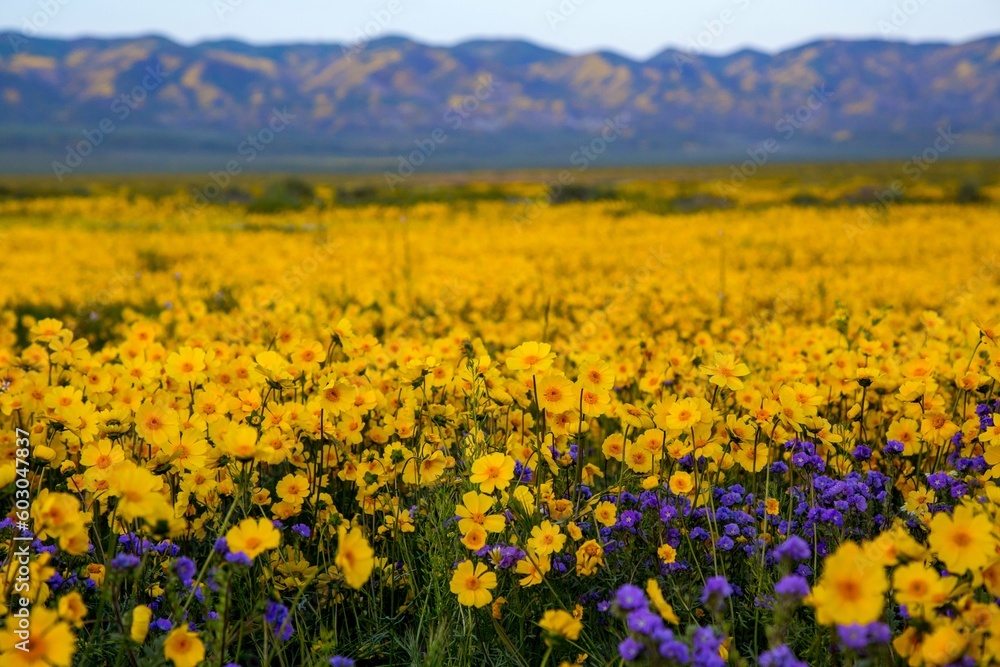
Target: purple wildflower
{"x":631,"y":597}
{"x":629,"y":649}
{"x":185,"y":569}
{"x":125,"y":562}
{"x":716,"y":591}
{"x":793,"y":549}
{"x":792,"y":586}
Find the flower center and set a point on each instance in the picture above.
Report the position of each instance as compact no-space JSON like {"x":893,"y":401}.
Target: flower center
{"x":849,"y":589}
{"x":961,"y":539}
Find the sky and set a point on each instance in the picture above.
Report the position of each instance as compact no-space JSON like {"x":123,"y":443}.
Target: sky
{"x":636,"y":28}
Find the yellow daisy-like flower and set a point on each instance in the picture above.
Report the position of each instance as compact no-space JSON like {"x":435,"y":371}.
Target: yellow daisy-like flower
{"x":293,"y":488}
{"x":475,"y":538}
{"x":561,"y":624}
{"x":72,"y":609}
{"x":726,"y":371}
{"x":638,"y":458}
{"x":682,"y":415}
{"x":681,"y":483}
{"x":472,"y":584}
{"x":253,"y":537}
{"x":531,"y":357}
{"x":183,"y":647}
{"x":557,"y":394}
{"x":964,"y":541}
{"x":656,"y":597}
{"x":851,"y":589}
{"x":355,"y":557}
{"x":915,"y":585}
{"x":533,"y":568}
{"x":140,"y":623}
{"x":156,"y":424}
{"x":475,"y":511}
{"x":51,"y":643}
{"x":944,"y":645}
{"x":187,"y":365}
{"x":606,"y":513}
{"x":493,"y":471}
{"x":614,"y":446}
{"x":667,"y":554}
{"x":546,"y":539}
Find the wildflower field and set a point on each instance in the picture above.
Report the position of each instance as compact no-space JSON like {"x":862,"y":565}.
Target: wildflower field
{"x":492,"y":425}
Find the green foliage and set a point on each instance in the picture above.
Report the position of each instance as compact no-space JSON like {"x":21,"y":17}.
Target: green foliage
{"x":291,"y":194}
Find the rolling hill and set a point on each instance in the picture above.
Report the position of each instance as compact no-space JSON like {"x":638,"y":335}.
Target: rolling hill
{"x":149,"y":103}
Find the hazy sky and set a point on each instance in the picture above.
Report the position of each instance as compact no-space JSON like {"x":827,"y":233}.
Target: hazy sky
{"x":637,"y":28}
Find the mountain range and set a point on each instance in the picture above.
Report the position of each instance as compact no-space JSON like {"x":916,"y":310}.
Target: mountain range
{"x":395,"y":104}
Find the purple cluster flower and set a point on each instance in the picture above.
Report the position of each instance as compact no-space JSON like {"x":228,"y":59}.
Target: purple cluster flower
{"x":41,"y":548}
{"x":644,"y":622}
{"x":964,"y":661}
{"x":780,"y":656}
{"x":893,"y":448}
{"x":629,"y":649}
{"x":125,"y":562}
{"x":276,"y":615}
{"x":625,"y":498}
{"x":166,"y":548}
{"x":341,"y":661}
{"x":628,"y":520}
{"x":56,"y":581}
{"x":861,"y":453}
{"x":717,"y":590}
{"x":648,"y":500}
{"x":968,"y":464}
{"x":563,"y":563}
{"x":706,"y":645}
{"x":505,"y":557}
{"x":804,"y":455}
{"x":134,"y":544}
{"x":239,"y":558}
{"x":675,"y":651}
{"x":699,"y":533}
{"x":985,"y":413}
{"x":667,"y":512}
{"x":210,"y":580}
{"x":731,"y":496}
{"x":792,"y":586}
{"x":185,"y":569}
{"x":792,"y":549}
{"x":648,"y":628}
{"x":630,"y":597}
{"x":859,"y":637}
{"x":939,"y":480}
{"x":956,"y":488}
{"x":841,"y":503}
